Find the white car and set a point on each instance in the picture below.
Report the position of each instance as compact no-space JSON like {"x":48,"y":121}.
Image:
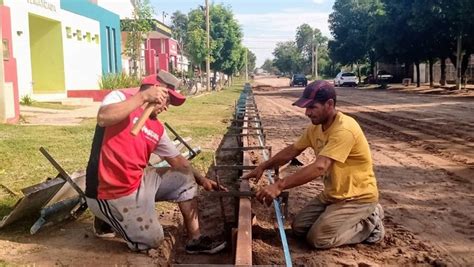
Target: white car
{"x":346,"y":78}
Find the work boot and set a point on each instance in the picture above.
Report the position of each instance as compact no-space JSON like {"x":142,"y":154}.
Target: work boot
{"x":204,"y":244}
{"x":378,"y":233}
{"x":102,"y":229}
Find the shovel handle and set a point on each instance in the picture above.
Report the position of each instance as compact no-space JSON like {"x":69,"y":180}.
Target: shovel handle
{"x":141,"y":121}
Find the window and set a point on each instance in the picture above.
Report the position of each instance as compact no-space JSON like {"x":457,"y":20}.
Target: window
{"x":68,"y":32}
{"x":79,"y":35}
{"x":88,"y":37}
{"x":96,"y":38}
{"x":348,"y":74}
{"x":114,"y":54}
{"x":6,"y":49}
{"x":109,"y":49}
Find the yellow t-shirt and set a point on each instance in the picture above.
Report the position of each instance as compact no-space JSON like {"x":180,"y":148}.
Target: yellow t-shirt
{"x":351,"y":176}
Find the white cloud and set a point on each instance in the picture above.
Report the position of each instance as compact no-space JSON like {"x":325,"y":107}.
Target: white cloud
{"x":263,"y":31}
{"x":319,"y":1}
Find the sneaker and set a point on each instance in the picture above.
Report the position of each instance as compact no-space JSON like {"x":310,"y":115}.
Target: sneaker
{"x":378,"y":233}
{"x":204,"y":244}
{"x":379,"y":211}
{"x":102,"y":229}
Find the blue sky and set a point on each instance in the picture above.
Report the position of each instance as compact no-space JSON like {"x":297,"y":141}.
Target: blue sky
{"x":264,"y":22}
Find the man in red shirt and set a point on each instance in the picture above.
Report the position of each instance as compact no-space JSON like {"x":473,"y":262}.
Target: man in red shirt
{"x":122,"y":190}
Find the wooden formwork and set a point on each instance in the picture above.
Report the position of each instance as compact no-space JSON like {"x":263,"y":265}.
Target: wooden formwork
{"x":247,"y":114}
{"x":243,"y":251}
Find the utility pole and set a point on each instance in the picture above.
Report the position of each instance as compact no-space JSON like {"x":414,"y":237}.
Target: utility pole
{"x":312,"y":59}
{"x":208,"y":58}
{"x":164,"y":16}
{"x":458,"y":61}
{"x":246,"y":66}
{"x":316,"y":62}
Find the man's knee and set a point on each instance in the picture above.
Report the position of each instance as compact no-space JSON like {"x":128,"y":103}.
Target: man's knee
{"x":320,"y":242}
{"x":299,"y":228}
{"x":321,"y":236}
{"x":150,"y":237}
{"x":177,"y":186}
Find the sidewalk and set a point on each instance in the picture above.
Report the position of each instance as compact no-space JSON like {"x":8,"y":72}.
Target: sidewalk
{"x":44,"y":116}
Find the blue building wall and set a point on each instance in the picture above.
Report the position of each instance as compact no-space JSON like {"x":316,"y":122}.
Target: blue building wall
{"x":109,"y":31}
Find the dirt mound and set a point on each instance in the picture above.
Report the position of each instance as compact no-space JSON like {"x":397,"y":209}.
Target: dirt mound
{"x":263,"y":87}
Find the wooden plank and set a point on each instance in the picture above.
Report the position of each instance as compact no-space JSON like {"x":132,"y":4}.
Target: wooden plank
{"x":234,"y":167}
{"x":244,"y":128}
{"x":243,"y":250}
{"x":245,"y":148}
{"x":241,"y":135}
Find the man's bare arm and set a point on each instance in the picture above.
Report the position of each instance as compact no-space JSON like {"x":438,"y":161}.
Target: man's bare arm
{"x":307,"y":174}
{"x":114,"y":113}
{"x":279,"y":159}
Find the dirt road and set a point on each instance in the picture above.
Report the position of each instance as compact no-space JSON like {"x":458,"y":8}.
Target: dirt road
{"x":423,"y":152}
{"x":422,"y":147}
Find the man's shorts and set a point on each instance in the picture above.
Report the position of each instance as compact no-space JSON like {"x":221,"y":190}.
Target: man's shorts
{"x":134,"y":216}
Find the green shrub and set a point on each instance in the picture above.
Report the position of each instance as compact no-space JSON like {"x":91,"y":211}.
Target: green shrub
{"x":26,"y":100}
{"x":117,"y":81}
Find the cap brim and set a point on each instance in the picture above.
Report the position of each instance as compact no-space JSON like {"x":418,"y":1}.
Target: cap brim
{"x":176,"y":99}
{"x":303,"y":102}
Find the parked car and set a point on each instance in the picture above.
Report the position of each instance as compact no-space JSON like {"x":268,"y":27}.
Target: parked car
{"x":382,"y":77}
{"x":298,"y":79}
{"x":346,"y":78}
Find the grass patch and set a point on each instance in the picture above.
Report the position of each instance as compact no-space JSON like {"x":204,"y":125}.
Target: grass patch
{"x":117,"y":81}
{"x":5,"y":264}
{"x":21,"y":163}
{"x":51,"y":105}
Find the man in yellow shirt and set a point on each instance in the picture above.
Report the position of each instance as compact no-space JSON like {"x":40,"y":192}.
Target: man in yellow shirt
{"x":347,"y":211}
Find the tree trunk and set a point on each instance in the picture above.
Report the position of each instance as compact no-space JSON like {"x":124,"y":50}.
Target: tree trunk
{"x":214,"y":83}
{"x":417,"y":64}
{"x":200,"y":74}
{"x":358,"y":71}
{"x":442,"y":80}
{"x":458,"y":62}
{"x":464,"y":65}
{"x":407,"y":69}
{"x":430,"y":62}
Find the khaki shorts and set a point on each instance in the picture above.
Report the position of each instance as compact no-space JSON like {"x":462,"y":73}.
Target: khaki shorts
{"x":134,"y":216}
{"x":330,"y":225}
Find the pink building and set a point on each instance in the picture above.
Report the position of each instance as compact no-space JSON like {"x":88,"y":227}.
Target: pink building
{"x":9,"y":104}
{"x":161,"y":51}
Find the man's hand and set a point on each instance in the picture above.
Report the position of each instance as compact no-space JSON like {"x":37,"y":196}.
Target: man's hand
{"x":156,"y":94}
{"x":211,"y":185}
{"x":268,"y":193}
{"x":255,"y":173}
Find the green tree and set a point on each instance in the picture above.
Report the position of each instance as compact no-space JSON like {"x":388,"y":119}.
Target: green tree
{"x":304,"y":43}
{"x":227,"y":51}
{"x":459,"y":20}
{"x":353,"y":25}
{"x":195,"y":38}
{"x":308,"y":39}
{"x":267,"y":65}
{"x":287,"y":58}
{"x":179,"y":26}
{"x":137,"y":30}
